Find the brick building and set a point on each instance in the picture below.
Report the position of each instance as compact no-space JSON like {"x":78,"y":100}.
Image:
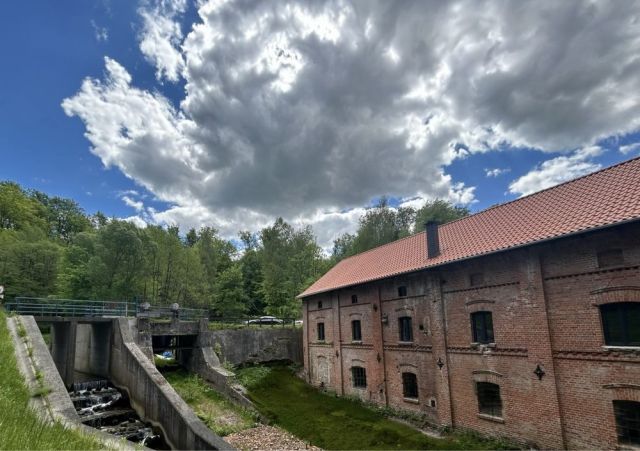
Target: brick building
{"x":522,"y":320}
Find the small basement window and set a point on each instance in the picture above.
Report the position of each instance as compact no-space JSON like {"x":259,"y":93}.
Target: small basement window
{"x":354,"y":299}
{"x":356,"y":330}
{"x":610,"y":258}
{"x":409,"y":385}
{"x":489,"y":402}
{"x":320,"y":331}
{"x":359,"y":377}
{"x":402,"y":291}
{"x":476,"y":279}
{"x":482,"y":325}
{"x":627,"y":415}
{"x":406,"y":330}
{"x":621,"y":323}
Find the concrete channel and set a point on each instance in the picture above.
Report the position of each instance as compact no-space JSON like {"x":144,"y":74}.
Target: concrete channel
{"x":101,"y":373}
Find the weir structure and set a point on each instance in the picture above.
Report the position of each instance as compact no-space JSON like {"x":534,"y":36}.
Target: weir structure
{"x":117,"y":342}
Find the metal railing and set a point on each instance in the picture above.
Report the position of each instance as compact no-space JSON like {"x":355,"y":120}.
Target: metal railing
{"x":183,"y":314}
{"x":252,"y":321}
{"x":70,"y":307}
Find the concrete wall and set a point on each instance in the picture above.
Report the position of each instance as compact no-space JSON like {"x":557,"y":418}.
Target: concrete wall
{"x":152,"y":397}
{"x":255,"y":345}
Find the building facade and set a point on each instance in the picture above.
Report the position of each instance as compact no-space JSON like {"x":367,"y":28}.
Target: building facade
{"x":539,"y":342}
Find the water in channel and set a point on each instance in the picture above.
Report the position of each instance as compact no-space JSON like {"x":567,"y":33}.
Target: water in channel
{"x":102,"y":406}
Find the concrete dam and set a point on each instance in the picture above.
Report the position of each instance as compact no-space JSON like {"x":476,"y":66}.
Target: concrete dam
{"x":107,"y":364}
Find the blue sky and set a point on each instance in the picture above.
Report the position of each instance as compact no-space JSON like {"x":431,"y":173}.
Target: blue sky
{"x":312,"y":115}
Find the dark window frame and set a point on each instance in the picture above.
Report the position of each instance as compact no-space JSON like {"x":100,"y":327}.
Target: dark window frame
{"x":356,"y":330}
{"x":410,"y":385}
{"x":319,"y":305}
{"x":482,"y":327}
{"x":405,"y":329}
{"x":617,"y":323}
{"x":627,"y":418}
{"x":489,"y":399}
{"x":359,"y":376}
{"x":402,"y":291}
{"x":354,"y":298}
{"x":321,"y":335}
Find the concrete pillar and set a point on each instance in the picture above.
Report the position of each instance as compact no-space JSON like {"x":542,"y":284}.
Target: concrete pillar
{"x":100,"y":349}
{"x":63,"y":348}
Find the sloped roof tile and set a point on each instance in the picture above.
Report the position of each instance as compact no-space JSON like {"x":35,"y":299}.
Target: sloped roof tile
{"x":596,"y":200}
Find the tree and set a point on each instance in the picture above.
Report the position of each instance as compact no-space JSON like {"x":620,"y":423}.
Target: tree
{"x":17,"y":210}
{"x":229,"y":298}
{"x":64,"y":217}
{"x":291,"y":260}
{"x":379,"y":225}
{"x":440,"y":211}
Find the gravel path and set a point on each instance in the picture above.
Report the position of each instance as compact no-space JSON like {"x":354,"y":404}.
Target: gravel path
{"x":267,"y":437}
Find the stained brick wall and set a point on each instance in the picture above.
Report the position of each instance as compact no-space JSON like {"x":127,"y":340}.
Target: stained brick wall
{"x":545,"y":303}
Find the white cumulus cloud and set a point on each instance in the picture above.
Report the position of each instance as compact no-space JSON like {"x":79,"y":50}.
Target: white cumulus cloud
{"x":557,"y":170}
{"x":310,"y":109}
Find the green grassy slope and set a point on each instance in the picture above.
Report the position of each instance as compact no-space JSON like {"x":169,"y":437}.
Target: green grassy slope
{"x":338,"y":423}
{"x":20,"y":428}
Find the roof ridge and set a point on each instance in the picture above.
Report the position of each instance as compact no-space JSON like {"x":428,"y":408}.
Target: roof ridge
{"x":414,"y":234}
{"x":544,"y":190}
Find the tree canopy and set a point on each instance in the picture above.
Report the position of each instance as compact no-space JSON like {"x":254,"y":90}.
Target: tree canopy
{"x":50,"y":247}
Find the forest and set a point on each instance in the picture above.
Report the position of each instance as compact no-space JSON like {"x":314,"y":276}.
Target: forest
{"x":50,"y":247}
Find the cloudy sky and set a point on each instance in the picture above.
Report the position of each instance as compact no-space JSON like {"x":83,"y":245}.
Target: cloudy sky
{"x":231,"y":113}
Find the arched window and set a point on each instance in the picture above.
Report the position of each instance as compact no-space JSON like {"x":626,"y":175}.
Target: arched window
{"x":409,"y":385}
{"x":627,"y":422}
{"x":359,"y":377}
{"x":621,"y":323}
{"x":489,"y":401}
{"x":482,"y":326}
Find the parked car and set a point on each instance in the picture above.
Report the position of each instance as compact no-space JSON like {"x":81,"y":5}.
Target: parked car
{"x":265,"y":320}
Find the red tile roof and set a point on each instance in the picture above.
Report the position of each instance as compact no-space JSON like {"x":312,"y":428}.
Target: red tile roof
{"x":600,"y":199}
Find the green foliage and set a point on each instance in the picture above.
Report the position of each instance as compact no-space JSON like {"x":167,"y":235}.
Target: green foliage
{"x":338,"y":423}
{"x":50,"y":248}
{"x":439,"y":211}
{"x":221,"y":415}
{"x":379,"y":225}
{"x":230,"y":298}
{"x":20,"y":427}
{"x":383,"y":224}
{"x":291,"y":260}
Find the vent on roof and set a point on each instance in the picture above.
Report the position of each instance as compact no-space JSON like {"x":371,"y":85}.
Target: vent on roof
{"x":433,"y":242}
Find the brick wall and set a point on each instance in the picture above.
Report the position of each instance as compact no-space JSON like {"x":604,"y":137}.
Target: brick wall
{"x":544,"y":301}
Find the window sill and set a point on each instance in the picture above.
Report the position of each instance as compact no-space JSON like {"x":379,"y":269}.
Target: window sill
{"x":476,"y":345}
{"x":622,"y":348}
{"x":411,"y":400}
{"x":356,"y":342}
{"x":484,"y":416}
{"x":405,"y":343}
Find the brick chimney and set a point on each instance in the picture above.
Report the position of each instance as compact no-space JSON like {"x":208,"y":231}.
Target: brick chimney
{"x":433,"y":242}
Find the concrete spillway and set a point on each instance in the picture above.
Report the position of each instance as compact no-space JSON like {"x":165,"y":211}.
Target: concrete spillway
{"x":108,"y":349}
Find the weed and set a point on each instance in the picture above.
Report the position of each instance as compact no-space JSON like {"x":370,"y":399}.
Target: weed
{"x":29,"y":351}
{"x":41,"y":391}
{"x":220,"y":414}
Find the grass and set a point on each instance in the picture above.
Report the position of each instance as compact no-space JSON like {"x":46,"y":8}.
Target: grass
{"x":221,"y":415}
{"x":20,"y":427}
{"x":331,"y":422}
